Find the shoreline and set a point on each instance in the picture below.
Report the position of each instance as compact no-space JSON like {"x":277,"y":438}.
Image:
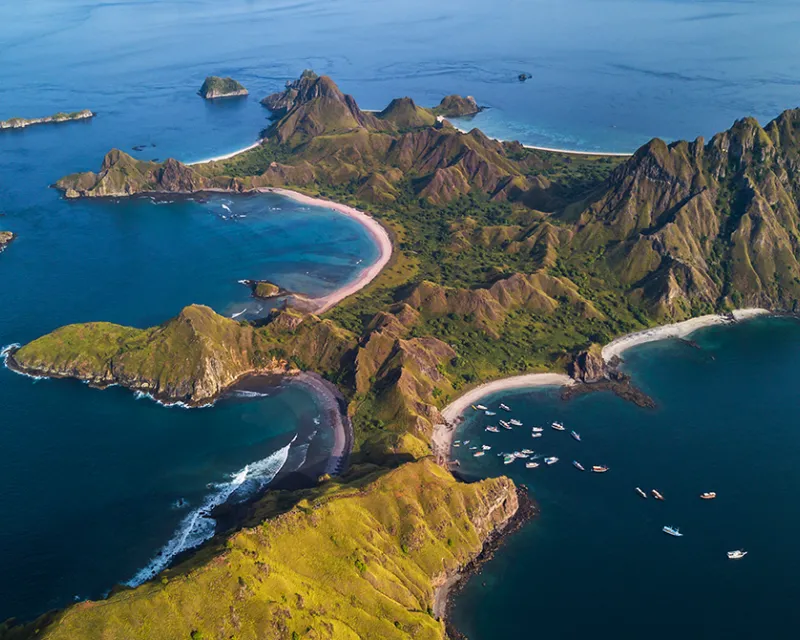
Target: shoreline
{"x":571,"y":152}
{"x":226,"y":156}
{"x":618,"y":346}
{"x":444,"y":432}
{"x":442,"y":438}
{"x":375,"y":230}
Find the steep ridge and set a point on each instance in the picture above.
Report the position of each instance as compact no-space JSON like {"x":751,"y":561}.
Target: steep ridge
{"x":358,"y":561}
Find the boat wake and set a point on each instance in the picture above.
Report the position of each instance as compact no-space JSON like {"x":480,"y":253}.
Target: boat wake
{"x":198,"y":526}
{"x":236,"y":315}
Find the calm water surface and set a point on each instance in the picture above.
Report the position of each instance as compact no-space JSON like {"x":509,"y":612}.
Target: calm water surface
{"x":595,"y":562}
{"x":88,"y":479}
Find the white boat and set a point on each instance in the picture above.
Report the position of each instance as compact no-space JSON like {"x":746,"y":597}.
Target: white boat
{"x":515,"y":422}
{"x":480,"y":407}
{"x":466,"y":441}
{"x":509,"y":459}
{"x":737,"y":555}
{"x":505,"y":407}
{"x":503,"y":424}
{"x":531,"y":465}
{"x":575,"y":435}
{"x":490,"y":413}
{"x":472,"y":448}
{"x":537,"y":430}
{"x":456,"y":445}
{"x":485,"y":447}
{"x":492,"y":429}
{"x":478,"y":454}
{"x":672,"y":531}
{"x":519,"y":454}
{"x":578,"y":465}
{"x":507,"y":426}
{"x":528,"y":451}
{"x":551,"y":460}
{"x":536,"y":435}
{"x":641,"y":493}
{"x":557,"y":426}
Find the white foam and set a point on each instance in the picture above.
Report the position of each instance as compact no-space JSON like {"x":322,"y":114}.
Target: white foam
{"x":244,"y":393}
{"x":178,"y":403}
{"x":236,"y":315}
{"x":198,"y":526}
{"x":227,"y":208}
{"x":6,"y":351}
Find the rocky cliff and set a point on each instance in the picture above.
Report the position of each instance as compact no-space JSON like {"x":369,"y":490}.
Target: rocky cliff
{"x":345,"y":562}
{"x":216,"y":87}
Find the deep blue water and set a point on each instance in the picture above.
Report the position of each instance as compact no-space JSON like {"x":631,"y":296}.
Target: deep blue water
{"x":87,"y":478}
{"x":595,"y":562}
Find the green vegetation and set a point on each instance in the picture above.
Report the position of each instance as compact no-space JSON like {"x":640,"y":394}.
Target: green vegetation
{"x":216,"y":87}
{"x":358,"y":560}
{"x":264,"y":289}
{"x":19,"y":123}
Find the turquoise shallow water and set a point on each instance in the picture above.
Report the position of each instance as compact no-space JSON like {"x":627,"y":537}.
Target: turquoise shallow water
{"x":595,"y":562}
{"x":88,"y":479}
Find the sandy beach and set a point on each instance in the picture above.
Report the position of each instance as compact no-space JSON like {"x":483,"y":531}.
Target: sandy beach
{"x":373,"y":227}
{"x":225,"y":156}
{"x":677,"y":330}
{"x":442,"y":438}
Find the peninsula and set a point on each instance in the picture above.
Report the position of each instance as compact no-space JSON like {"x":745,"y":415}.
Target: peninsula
{"x":216,"y":87}
{"x":21,"y":123}
{"x":506,"y":261}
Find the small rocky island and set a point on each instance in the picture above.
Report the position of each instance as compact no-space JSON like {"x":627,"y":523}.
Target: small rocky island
{"x":5,"y":239}
{"x":21,"y":123}
{"x":264,"y":289}
{"x":216,"y":87}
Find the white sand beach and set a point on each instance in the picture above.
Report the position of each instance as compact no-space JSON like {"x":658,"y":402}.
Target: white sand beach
{"x":373,"y":227}
{"x":442,"y":438}
{"x":225,"y":156}
{"x":677,"y":330}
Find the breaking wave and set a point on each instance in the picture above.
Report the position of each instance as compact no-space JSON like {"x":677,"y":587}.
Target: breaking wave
{"x":198,"y":526}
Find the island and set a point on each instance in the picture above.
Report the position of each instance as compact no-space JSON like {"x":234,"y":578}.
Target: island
{"x":5,"y":239}
{"x":507,"y":261}
{"x":216,"y":87}
{"x":264,"y":289}
{"x":21,"y":123}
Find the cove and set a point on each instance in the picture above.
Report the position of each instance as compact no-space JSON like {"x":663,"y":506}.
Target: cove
{"x":726,"y":421}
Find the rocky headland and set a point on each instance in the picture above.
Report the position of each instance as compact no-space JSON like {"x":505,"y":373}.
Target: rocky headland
{"x":216,"y":87}
{"x":21,"y":123}
{"x":6,"y":237}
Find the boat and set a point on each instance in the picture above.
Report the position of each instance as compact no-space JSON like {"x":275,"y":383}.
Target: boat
{"x":519,"y":454}
{"x":515,"y":422}
{"x":505,"y":407}
{"x":536,"y":435}
{"x":528,"y":451}
{"x":474,"y":407}
{"x":504,"y":424}
{"x":599,"y":468}
{"x":657,"y":495}
{"x":478,"y":454}
{"x":575,"y":435}
{"x":537,"y":430}
{"x":492,"y":429}
{"x":673,"y":531}
{"x":472,"y":448}
{"x":509,"y":459}
{"x":578,"y":465}
{"x":507,"y":426}
{"x":737,"y":555}
{"x":485,"y":447}
{"x":466,"y":441}
{"x":641,"y":493}
{"x":490,"y":413}
{"x":708,"y":495}
{"x":456,"y":445}
{"x":551,"y":460}
{"x":557,"y":426}
{"x":480,"y":407}
{"x":531,"y":465}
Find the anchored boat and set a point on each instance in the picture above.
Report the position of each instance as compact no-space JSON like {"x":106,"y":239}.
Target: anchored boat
{"x":708,"y":495}
{"x":641,"y":493}
{"x":657,"y":495}
{"x":673,"y":531}
{"x":575,"y":435}
{"x":504,"y":407}
{"x":557,"y":426}
{"x":551,"y":460}
{"x":492,"y":429}
{"x":503,"y":424}
{"x":737,"y":555}
{"x":536,"y":435}
{"x":531,"y":465}
{"x":599,"y":468}
{"x":537,"y":430}
{"x":578,"y":465}
{"x":485,"y":447}
{"x":515,"y":422}
{"x":480,"y":407}
{"x":478,"y":454}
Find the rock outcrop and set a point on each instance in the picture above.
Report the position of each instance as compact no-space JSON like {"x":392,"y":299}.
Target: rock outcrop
{"x":21,"y":123}
{"x":216,"y":87}
{"x":5,"y":239}
{"x":455,"y":106}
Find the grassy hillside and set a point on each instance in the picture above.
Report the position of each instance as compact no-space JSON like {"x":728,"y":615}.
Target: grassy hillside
{"x":356,"y":561}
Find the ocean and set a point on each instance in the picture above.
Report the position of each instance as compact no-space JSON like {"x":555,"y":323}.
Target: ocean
{"x":595,"y":560}
{"x":88,"y":479}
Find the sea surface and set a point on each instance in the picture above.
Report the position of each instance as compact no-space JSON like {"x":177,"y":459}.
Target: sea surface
{"x":595,"y":562}
{"x":88,"y":479}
